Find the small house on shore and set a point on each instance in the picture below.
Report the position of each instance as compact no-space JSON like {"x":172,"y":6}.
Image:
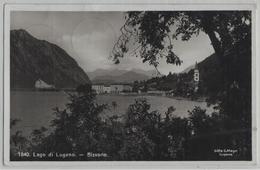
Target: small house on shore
{"x":40,"y":84}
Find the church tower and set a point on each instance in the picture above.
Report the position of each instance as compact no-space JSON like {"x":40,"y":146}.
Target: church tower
{"x":196,"y":78}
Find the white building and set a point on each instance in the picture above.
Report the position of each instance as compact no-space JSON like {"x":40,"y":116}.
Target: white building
{"x":99,"y":88}
{"x":113,"y":88}
{"x":40,"y":84}
{"x":107,"y":89}
{"x":116,"y":88}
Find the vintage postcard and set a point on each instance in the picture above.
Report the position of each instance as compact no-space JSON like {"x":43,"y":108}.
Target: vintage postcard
{"x":111,"y":82}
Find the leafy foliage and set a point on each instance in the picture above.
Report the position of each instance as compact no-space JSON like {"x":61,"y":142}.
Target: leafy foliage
{"x":154,"y":32}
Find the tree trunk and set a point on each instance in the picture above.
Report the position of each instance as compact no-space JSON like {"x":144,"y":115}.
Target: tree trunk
{"x":215,"y":43}
{"x":208,"y":26}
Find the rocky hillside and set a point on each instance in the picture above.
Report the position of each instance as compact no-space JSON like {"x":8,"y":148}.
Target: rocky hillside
{"x":33,"y":59}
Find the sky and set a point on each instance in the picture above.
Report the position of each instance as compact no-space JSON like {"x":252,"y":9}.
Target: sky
{"x":89,"y":37}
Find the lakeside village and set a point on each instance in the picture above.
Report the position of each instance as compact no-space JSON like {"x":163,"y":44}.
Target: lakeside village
{"x":125,"y":88}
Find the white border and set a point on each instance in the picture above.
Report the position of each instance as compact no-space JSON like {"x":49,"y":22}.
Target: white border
{"x":117,"y":5}
{"x":1,"y":80}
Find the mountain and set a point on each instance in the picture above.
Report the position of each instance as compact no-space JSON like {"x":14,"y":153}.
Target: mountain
{"x":209,"y":73}
{"x":131,"y":76}
{"x":127,"y":77}
{"x":33,"y":59}
{"x":149,"y":73}
{"x":105,"y":72}
{"x":109,"y":76}
{"x":117,"y":72}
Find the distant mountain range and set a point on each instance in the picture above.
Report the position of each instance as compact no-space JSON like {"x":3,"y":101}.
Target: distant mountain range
{"x":33,"y":59}
{"x":120,"y":76}
{"x":102,"y":72}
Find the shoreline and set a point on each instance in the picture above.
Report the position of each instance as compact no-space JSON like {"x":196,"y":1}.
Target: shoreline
{"x":198,"y":99}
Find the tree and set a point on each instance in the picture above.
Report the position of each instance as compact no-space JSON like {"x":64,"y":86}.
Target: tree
{"x":78,"y":127}
{"x":229,"y":32}
{"x":145,"y":87}
{"x":18,"y":142}
{"x":154,"y":32}
{"x":135,"y":86}
{"x":114,"y":104}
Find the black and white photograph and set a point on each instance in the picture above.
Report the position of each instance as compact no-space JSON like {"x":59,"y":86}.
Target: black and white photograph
{"x":150,"y":85}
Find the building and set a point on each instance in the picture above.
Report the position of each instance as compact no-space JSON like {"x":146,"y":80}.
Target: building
{"x":98,"y":88}
{"x":127,"y":88}
{"x":40,"y":84}
{"x":107,"y":89}
{"x":113,"y":88}
{"x":116,"y":88}
{"x":196,"y":78}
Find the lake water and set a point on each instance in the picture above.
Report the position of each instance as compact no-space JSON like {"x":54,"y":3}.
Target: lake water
{"x":34,"y":108}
